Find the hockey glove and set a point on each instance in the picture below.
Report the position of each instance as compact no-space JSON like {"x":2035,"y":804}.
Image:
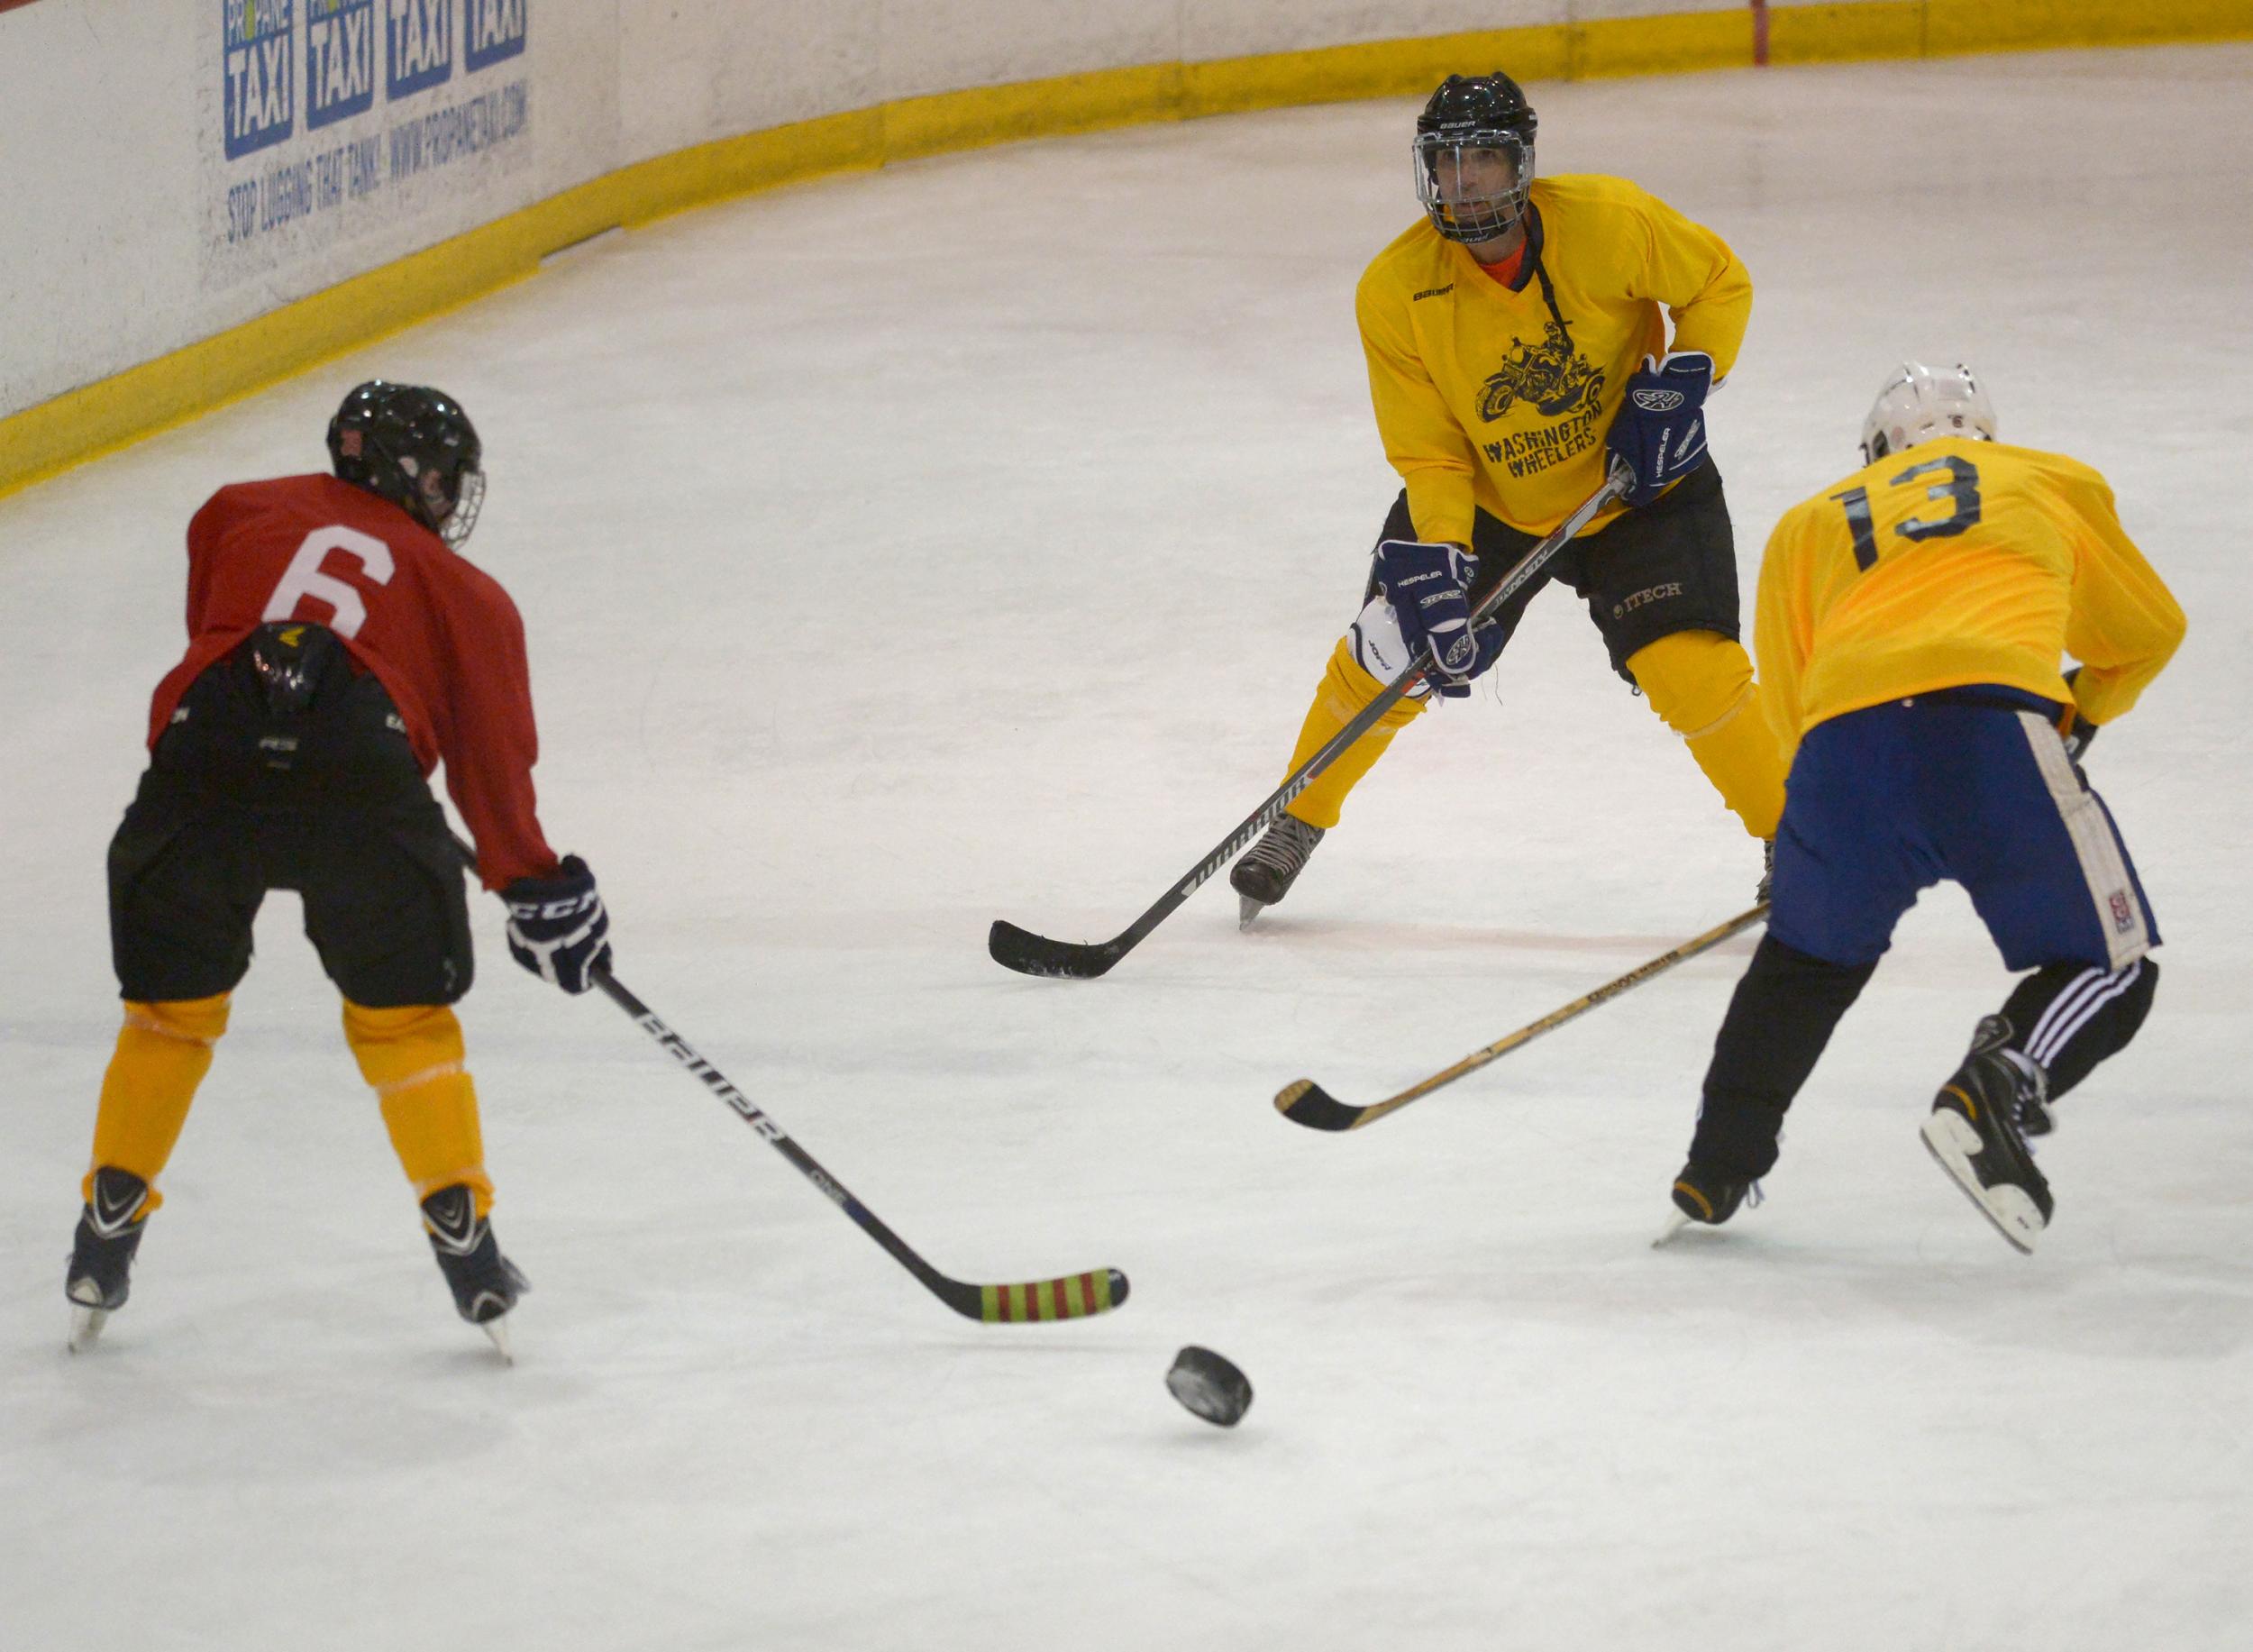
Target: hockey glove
{"x":1660,"y":428}
{"x":1428,"y":587}
{"x":557,"y":927}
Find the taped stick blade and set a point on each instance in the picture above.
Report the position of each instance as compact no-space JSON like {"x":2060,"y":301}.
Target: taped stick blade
{"x":1069,"y":1296}
{"x":1304,"y":1101}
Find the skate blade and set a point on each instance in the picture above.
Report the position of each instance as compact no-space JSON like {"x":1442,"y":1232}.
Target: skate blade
{"x":1949,"y":1138}
{"x":1247,"y":910}
{"x":1675,"y":1225}
{"x":497,"y":1330}
{"x":86,"y":1328}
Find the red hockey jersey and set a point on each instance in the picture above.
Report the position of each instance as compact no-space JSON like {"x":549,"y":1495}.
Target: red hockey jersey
{"x":439,"y":634}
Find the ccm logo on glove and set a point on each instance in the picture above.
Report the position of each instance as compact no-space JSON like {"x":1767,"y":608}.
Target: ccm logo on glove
{"x":558,"y":927}
{"x":570,"y":906}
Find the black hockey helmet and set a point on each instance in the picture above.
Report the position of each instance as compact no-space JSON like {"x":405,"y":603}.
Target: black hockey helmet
{"x":1474,"y":156}
{"x":415,"y":447}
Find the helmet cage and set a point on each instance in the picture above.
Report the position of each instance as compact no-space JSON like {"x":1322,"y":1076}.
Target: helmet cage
{"x":1457,"y":179}
{"x":469,"y":499}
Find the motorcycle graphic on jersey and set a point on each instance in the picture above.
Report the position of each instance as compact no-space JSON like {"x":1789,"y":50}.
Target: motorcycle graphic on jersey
{"x":1552,"y":376}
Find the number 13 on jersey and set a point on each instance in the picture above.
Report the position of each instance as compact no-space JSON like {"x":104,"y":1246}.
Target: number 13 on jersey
{"x":1961,"y":489}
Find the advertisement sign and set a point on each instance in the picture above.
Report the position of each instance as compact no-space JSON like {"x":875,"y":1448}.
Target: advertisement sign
{"x":340,"y":61}
{"x":332,"y":119}
{"x":260,"y":93}
{"x":417,"y":45}
{"x":497,"y":31}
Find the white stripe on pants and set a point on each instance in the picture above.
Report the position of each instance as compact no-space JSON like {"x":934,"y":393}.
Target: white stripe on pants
{"x":2119,"y":913}
{"x":2072,"y":1009}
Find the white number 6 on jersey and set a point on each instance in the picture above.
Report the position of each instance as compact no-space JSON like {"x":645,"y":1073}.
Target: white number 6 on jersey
{"x":305,"y":578}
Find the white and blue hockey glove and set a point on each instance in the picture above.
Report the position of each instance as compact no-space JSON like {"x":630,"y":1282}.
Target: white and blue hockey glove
{"x":1660,"y":428}
{"x":557,"y":927}
{"x":1428,"y":587}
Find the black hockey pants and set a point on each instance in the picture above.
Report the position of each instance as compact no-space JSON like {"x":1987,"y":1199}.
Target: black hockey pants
{"x":324,"y":799}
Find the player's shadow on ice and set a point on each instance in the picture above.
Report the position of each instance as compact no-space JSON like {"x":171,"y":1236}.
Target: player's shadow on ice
{"x":1380,"y":935}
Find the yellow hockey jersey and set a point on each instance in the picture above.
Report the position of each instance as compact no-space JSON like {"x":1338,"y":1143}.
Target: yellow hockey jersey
{"x":1950,"y":563}
{"x":1500,"y":397}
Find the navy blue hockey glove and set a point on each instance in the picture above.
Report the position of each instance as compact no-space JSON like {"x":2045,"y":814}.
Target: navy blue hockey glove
{"x":1660,"y":427}
{"x":1429,"y":588}
{"x":557,"y":928}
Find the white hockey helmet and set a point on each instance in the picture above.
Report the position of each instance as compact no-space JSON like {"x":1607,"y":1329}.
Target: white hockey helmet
{"x":1918,"y":403}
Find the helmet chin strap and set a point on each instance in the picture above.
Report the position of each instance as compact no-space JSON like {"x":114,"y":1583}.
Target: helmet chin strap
{"x":1484,"y":225}
{"x":1513,"y":229}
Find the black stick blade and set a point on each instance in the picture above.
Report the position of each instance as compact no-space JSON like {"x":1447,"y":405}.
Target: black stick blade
{"x":1035,"y":955}
{"x":1304,"y":1101}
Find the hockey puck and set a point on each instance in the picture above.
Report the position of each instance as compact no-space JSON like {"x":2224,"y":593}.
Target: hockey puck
{"x":1209,"y":1386}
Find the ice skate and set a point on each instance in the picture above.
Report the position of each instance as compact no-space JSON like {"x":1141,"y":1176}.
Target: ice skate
{"x":102,"y":1254}
{"x":1974,"y":1136}
{"x":1702,"y":1196}
{"x":1268,"y":868}
{"x":485,"y":1284}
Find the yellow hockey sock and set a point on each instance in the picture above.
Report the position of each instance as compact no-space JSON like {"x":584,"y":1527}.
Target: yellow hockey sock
{"x":1345,"y":690}
{"x":163,"y":1051}
{"x":1702,"y":683}
{"x":412,"y":1058}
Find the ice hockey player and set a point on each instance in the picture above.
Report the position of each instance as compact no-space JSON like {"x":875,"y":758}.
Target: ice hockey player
{"x":337,"y":649}
{"x":1516,"y":340}
{"x":1909,"y":625}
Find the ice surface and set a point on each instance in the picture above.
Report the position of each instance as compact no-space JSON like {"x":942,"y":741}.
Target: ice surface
{"x":963,"y":541}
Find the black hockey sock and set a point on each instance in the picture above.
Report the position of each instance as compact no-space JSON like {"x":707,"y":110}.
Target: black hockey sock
{"x":2067,"y":1017}
{"x":1778,"y":1022}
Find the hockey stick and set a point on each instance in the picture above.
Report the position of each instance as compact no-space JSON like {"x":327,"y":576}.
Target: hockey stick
{"x":1036,"y":954}
{"x":1305,"y":1102}
{"x":1070,"y":1296}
